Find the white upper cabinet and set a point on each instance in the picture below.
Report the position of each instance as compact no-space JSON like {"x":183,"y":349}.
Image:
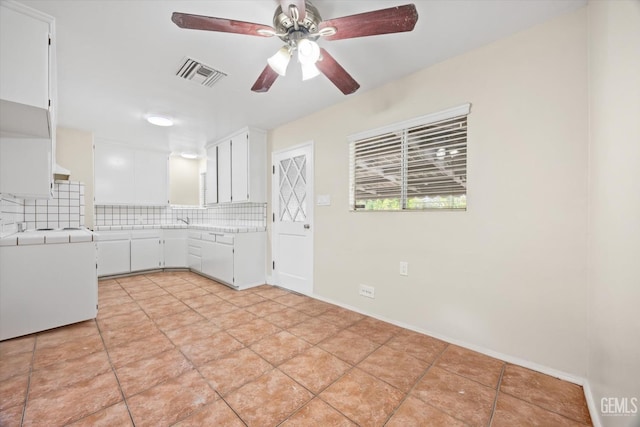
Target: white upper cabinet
{"x":130,"y":176}
{"x":25,"y":167}
{"x":114,"y":174}
{"x":211,"y":184}
{"x":224,"y":172}
{"x":26,"y":65}
{"x":241,"y":168}
{"x":150,"y":178}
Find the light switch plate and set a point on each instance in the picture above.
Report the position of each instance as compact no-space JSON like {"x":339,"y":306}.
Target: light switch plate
{"x":404,"y":268}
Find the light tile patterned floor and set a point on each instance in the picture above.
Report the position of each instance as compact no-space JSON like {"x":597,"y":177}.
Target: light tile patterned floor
{"x":175,"y":348}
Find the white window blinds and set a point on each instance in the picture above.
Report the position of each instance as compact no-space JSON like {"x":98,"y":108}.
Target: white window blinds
{"x":418,"y":164}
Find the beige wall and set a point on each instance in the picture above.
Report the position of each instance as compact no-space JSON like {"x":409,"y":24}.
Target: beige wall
{"x":614,"y":205}
{"x":509,"y":274}
{"x":74,"y":151}
{"x":184,"y":181}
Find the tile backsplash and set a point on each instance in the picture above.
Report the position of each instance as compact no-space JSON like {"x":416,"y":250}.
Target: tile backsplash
{"x":237,"y":214}
{"x":11,"y":213}
{"x":65,"y":209}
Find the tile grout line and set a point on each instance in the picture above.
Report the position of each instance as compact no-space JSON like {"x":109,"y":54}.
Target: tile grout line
{"x":354,"y":366}
{"x":495,"y":400}
{"x":26,"y":396}
{"x":546,"y":409}
{"x":115,"y":374}
{"x":193,"y":365}
{"x":408,"y":394}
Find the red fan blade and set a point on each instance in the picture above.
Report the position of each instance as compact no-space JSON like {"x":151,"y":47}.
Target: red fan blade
{"x":334,"y":72}
{"x":209,"y":23}
{"x":265,"y":80}
{"x":297,"y":3}
{"x":393,"y":20}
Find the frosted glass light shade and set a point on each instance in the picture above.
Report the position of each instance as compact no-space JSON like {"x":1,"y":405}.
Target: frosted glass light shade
{"x":280,"y":60}
{"x":309,"y":71}
{"x":308,"y":52}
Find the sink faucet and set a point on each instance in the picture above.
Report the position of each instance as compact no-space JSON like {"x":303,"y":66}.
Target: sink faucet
{"x":186,"y":221}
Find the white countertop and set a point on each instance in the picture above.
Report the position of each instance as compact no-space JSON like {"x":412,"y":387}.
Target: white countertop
{"x":46,"y":237}
{"x":205,"y":227}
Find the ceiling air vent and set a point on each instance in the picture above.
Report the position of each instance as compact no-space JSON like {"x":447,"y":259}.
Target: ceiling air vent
{"x":190,"y":69}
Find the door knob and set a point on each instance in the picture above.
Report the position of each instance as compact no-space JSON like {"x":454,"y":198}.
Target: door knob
{"x":307,"y":226}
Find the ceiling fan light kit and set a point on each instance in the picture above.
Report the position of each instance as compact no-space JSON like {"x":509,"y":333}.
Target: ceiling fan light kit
{"x":299,"y":25}
{"x":309,"y":71}
{"x":280,"y":60}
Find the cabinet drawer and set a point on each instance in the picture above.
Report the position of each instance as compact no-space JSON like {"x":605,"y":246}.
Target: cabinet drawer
{"x":195,"y":250}
{"x":195,"y":235}
{"x":224,"y":239}
{"x":106,"y":237}
{"x":209,"y":237}
{"x":146,"y":234}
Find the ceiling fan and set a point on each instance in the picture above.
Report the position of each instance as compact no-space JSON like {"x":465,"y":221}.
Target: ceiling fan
{"x":299,"y":25}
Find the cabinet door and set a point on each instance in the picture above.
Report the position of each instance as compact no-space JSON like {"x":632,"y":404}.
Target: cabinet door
{"x":224,"y":172}
{"x":175,"y":252}
{"x":114,"y":174}
{"x":195,"y":262}
{"x":146,"y":254}
{"x":114,"y":257}
{"x":240,"y":168}
{"x":24,"y":68}
{"x":223,"y":262}
{"x":25,"y":167}
{"x":150,"y":178}
{"x":212,"y":175}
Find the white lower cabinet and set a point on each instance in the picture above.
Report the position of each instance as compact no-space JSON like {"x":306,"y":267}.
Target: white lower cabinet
{"x":114,"y":253}
{"x":217,"y":258}
{"x":146,"y":250}
{"x":194,"y":250}
{"x":237,"y":259}
{"x":175,"y":248}
{"x":59,"y":289}
{"x":223,"y":262}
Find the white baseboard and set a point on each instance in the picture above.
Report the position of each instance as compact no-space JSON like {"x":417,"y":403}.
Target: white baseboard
{"x":593,"y":408}
{"x":575,"y":379}
{"x":592,"y":405}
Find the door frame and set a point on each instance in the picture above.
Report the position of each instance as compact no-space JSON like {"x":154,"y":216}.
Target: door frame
{"x":275,"y":193}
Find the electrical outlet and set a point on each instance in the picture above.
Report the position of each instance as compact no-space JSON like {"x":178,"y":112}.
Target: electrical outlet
{"x":367,"y":291}
{"x":404,"y":268}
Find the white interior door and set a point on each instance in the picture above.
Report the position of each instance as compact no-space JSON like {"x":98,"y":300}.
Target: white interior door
{"x":292,"y":196}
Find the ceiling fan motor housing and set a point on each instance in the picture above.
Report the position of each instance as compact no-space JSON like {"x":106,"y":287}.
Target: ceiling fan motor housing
{"x":306,"y":29}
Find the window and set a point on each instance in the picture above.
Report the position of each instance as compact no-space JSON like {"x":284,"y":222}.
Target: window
{"x":414,"y":165}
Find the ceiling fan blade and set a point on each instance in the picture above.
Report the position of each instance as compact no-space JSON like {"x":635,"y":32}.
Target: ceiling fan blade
{"x":384,"y":21}
{"x":265,"y":80}
{"x":209,"y":23}
{"x":334,"y":72}
{"x":298,"y":4}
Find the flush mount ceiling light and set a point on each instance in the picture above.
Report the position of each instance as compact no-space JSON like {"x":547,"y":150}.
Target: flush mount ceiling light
{"x":189,"y":155}
{"x":159,"y":120}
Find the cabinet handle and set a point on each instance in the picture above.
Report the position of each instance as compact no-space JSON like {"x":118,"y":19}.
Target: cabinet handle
{"x":307,"y":226}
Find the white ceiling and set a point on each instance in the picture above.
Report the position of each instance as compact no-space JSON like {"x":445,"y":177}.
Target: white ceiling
{"x":117,"y":61}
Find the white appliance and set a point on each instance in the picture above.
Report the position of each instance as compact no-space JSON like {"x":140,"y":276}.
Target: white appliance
{"x":47,"y":279}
